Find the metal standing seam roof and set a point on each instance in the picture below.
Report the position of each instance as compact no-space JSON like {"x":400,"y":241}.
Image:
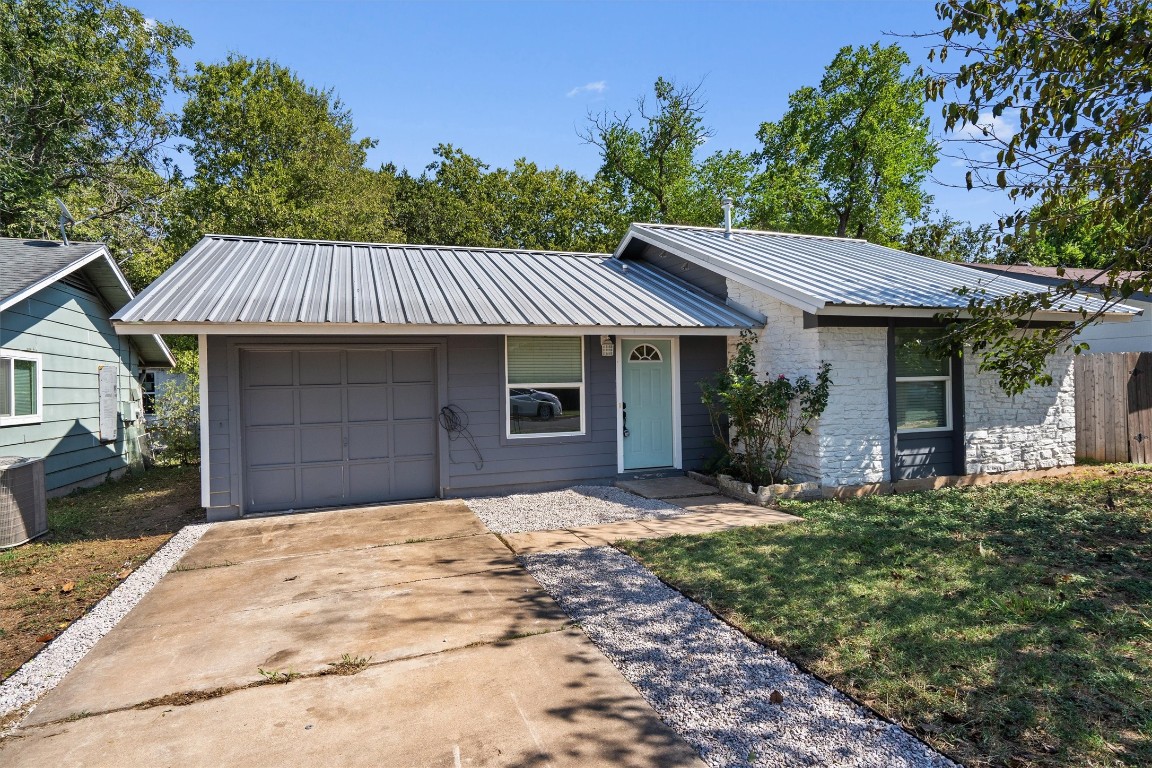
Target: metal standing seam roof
{"x":815,"y":272}
{"x":228,"y":280}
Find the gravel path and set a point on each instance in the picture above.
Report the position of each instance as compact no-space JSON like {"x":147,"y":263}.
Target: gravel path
{"x":43,"y":671}
{"x":571,"y":508}
{"x":711,"y":683}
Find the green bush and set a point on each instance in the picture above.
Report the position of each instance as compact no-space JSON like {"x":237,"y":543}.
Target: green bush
{"x":757,"y":419}
{"x":176,"y":430}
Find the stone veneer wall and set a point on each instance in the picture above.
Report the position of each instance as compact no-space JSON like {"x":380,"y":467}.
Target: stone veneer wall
{"x":854,"y":434}
{"x":849,"y":444}
{"x":1033,"y":430}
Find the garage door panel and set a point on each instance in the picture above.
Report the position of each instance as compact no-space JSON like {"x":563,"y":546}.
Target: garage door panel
{"x":265,"y":368}
{"x":268,"y":447}
{"x":370,"y":482}
{"x":413,"y":401}
{"x":367,"y":366}
{"x":368,"y":403}
{"x":321,"y":405}
{"x":321,"y":366}
{"x":413,"y":365}
{"x":413,"y":479}
{"x":319,"y":444}
{"x":325,"y":427}
{"x":269,"y":488}
{"x":369,"y":441}
{"x":268,"y":407}
{"x":414,"y":439}
{"x":323,"y":485}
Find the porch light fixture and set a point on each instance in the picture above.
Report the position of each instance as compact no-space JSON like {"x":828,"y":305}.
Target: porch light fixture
{"x":607,"y":348}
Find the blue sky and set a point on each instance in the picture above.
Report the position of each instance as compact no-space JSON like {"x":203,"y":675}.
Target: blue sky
{"x":511,"y":79}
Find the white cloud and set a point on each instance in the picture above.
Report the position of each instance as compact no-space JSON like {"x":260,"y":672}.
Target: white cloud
{"x":989,"y":126}
{"x":149,"y":23}
{"x":598,"y":87}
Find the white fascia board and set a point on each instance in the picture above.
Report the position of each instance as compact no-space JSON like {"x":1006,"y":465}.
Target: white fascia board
{"x":43,"y":283}
{"x":126,"y":328}
{"x":803,"y":301}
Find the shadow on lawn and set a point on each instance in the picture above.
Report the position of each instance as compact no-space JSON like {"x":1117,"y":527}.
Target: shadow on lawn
{"x":1008,"y":624}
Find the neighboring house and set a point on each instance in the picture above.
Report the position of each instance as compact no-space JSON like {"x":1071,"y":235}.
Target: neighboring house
{"x":69,"y":390}
{"x":1135,"y":336}
{"x":342,"y":373}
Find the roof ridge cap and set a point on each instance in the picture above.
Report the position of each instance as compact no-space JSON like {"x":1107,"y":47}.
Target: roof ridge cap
{"x":482,"y":248}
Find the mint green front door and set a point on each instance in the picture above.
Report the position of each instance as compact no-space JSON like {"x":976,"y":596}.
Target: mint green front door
{"x":646,"y":381}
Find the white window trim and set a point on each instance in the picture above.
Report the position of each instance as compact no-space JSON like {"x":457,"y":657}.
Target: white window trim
{"x":509,"y":435}
{"x":35,"y":418}
{"x":947,"y":402}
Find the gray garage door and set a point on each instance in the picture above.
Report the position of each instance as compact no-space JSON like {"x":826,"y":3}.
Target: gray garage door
{"x":324,"y":427}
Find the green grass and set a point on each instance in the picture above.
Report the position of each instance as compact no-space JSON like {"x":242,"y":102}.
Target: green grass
{"x":1008,"y":624}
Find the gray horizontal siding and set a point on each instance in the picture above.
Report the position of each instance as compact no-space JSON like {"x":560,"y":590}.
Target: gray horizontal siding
{"x":926,"y":454}
{"x":71,"y":329}
{"x":476,"y":386}
{"x":701,"y":358}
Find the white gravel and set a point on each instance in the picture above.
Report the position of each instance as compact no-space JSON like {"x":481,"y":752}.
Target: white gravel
{"x":571,"y":508}
{"x":709,"y":682}
{"x":44,"y":670}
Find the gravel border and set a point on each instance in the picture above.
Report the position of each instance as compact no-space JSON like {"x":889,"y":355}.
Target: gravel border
{"x":571,"y":508}
{"x":43,"y":671}
{"x":711,"y":683}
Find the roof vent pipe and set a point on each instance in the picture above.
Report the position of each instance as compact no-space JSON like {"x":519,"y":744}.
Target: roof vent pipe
{"x":727,"y":205}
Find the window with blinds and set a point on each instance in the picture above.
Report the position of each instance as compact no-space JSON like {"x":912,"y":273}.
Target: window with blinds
{"x":19,"y":387}
{"x":545,"y":385}
{"x":923,"y":383}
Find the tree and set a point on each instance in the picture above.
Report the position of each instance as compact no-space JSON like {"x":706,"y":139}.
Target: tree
{"x":82,"y":88}
{"x":274,"y":156}
{"x":459,"y":200}
{"x":949,"y":239}
{"x":1061,"y":90}
{"x":849,"y":157}
{"x":652,"y":170}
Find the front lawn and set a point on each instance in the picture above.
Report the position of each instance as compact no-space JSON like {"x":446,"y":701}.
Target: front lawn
{"x":96,"y":538}
{"x":1007,"y":625}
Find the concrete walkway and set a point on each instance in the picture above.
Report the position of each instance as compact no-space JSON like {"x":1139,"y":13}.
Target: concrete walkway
{"x":386,"y":636}
{"x":705,"y":512}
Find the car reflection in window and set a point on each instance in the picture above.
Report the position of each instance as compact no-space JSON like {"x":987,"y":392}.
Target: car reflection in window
{"x":534,"y":404}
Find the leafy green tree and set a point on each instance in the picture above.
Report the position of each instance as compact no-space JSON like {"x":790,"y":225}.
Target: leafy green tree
{"x":652,"y":170}
{"x":274,"y":156}
{"x":849,"y":157}
{"x":949,"y":239}
{"x":459,"y":200}
{"x":82,"y":88}
{"x":1061,"y":90}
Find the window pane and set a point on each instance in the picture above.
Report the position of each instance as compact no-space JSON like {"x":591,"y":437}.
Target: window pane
{"x":24,"y":386}
{"x":540,"y":412}
{"x":5,"y":386}
{"x":921,"y":405}
{"x":911,"y":358}
{"x":544,"y":359}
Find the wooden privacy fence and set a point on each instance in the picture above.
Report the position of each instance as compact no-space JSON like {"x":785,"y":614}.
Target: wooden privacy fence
{"x":1114,"y":407}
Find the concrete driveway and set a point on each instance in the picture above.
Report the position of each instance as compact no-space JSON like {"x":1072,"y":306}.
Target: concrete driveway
{"x":408,"y":636}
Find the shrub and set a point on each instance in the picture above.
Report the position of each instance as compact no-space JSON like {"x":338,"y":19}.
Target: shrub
{"x":757,"y":419}
{"x":176,"y":430}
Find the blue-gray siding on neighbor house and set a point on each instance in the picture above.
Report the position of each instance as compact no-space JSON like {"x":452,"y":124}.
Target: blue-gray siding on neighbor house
{"x":474,"y":383}
{"x":69,"y":326}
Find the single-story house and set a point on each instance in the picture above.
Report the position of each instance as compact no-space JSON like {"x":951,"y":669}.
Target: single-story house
{"x":1135,"y":336}
{"x":342,"y":373}
{"x":69,"y":385}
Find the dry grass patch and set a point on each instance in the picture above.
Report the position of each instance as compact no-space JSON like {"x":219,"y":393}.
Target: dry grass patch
{"x":96,"y":538}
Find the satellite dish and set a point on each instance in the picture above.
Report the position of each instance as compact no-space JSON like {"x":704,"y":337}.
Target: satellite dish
{"x":66,"y":220}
